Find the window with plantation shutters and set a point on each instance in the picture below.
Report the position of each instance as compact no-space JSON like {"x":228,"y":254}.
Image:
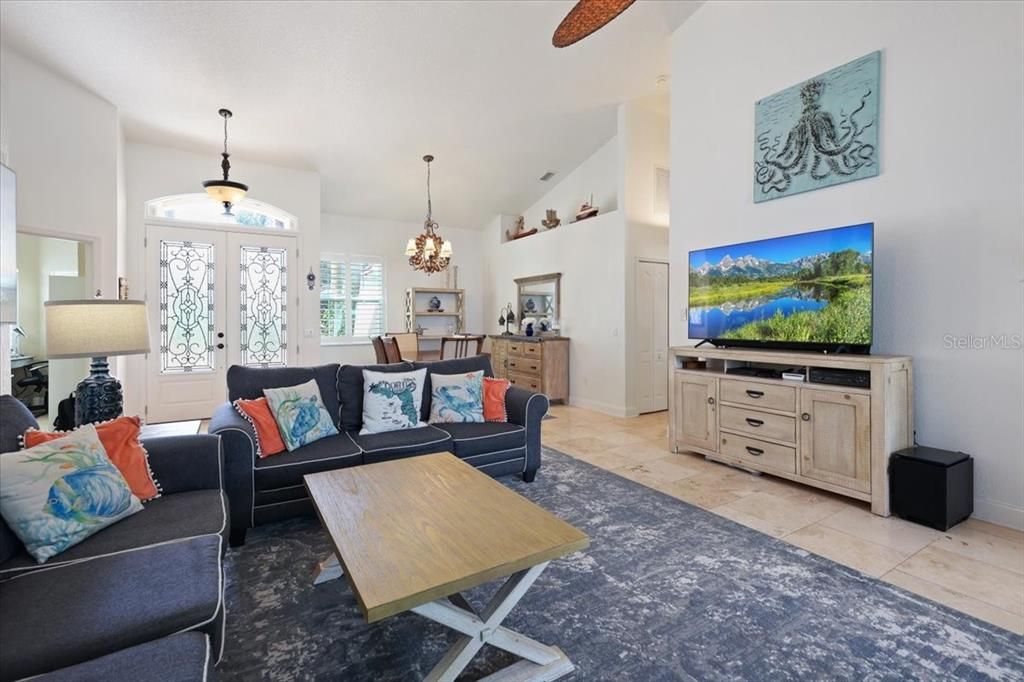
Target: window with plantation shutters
{"x":351,"y":298}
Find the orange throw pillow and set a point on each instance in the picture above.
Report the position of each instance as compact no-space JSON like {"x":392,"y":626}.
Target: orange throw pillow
{"x":494,"y":399}
{"x":120,"y":438}
{"x":268,"y":438}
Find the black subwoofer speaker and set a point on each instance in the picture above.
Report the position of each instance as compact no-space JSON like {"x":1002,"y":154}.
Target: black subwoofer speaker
{"x":930,"y":486}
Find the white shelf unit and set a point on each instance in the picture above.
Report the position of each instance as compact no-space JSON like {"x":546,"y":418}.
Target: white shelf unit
{"x":435,"y":324}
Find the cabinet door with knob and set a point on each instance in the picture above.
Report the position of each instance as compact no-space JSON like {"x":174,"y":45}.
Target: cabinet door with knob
{"x":696,"y":411}
{"x":835,"y":438}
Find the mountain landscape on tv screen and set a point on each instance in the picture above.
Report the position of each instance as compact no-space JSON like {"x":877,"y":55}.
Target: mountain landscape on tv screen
{"x":786,"y":289}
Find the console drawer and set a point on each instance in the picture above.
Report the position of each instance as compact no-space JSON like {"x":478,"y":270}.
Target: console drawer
{"x":754,"y":394}
{"x":758,"y":424}
{"x":533,"y":349}
{"x":525,"y":381}
{"x":527,"y":365}
{"x":758,"y":453}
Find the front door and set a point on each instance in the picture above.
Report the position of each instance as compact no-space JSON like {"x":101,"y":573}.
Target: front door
{"x":215,"y":298}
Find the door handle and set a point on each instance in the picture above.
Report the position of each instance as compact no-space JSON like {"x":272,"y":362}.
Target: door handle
{"x":756,"y":452}
{"x":754,"y":422}
{"x":220,"y":346}
{"x":711,"y":401}
{"x":806,"y":417}
{"x":220,"y":335}
{"x":755,"y":394}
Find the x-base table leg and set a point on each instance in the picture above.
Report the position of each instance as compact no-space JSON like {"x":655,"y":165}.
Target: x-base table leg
{"x":542,"y":662}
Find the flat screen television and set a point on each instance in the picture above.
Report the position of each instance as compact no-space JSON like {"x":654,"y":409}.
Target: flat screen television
{"x":809,"y":291}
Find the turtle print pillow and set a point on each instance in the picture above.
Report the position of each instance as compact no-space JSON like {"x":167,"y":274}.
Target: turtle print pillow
{"x":58,"y":493}
{"x":300,"y":414}
{"x":457,"y":397}
{"x":391,"y":400}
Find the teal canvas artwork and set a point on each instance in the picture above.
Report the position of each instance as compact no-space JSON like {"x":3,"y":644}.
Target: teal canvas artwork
{"x":819,"y":133}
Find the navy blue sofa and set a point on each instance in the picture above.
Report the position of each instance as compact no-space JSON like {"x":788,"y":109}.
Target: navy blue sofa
{"x":135,"y":598}
{"x":271,"y":488}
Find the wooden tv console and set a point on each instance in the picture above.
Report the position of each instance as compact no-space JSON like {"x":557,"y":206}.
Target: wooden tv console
{"x":837,"y":438}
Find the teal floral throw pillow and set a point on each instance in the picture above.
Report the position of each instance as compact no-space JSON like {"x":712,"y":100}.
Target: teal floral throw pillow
{"x":59,"y":493}
{"x":392,"y":400}
{"x":457,"y":397}
{"x":300,"y":414}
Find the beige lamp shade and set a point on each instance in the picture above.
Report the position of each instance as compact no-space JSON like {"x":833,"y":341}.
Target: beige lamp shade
{"x":95,"y":328}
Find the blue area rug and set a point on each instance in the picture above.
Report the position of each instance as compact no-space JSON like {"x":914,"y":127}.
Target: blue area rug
{"x":666,"y":591}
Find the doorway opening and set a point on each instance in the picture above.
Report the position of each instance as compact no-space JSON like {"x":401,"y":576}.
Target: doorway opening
{"x":49,"y":269}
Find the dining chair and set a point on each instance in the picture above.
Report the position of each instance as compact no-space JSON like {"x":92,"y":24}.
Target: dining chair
{"x":462,"y":346}
{"x":378,"y":349}
{"x":409,"y":344}
{"x":392,"y":352}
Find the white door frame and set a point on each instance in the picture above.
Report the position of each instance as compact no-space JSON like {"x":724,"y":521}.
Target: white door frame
{"x":634,"y":361}
{"x":224,"y":232}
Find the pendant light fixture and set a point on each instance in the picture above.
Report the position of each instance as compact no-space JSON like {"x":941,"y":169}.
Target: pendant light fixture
{"x":227,"y":192}
{"x":429,"y":252}
{"x":585,"y":18}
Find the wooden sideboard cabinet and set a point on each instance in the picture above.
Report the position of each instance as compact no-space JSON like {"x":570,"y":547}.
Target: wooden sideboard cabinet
{"x":536,"y":363}
{"x":834,"y":437}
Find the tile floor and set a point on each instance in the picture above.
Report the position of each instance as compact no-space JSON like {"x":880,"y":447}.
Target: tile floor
{"x":976,"y":567}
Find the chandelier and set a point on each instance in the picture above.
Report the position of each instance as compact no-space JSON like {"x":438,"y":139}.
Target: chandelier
{"x":225,"y":191}
{"x":585,"y":18}
{"x":429,"y":252}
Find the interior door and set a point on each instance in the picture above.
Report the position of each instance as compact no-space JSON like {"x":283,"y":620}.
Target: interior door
{"x":651,"y":307}
{"x":187,"y":304}
{"x":215,"y":299}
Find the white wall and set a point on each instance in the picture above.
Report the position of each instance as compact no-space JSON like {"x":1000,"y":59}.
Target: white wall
{"x":152,"y":171}
{"x":386,"y":239}
{"x":597,"y":175}
{"x":61,"y":141}
{"x":947,"y":207}
{"x":643,"y":142}
{"x":590,"y":256}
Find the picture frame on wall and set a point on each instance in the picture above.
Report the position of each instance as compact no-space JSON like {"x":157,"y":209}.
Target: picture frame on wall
{"x":818,"y":133}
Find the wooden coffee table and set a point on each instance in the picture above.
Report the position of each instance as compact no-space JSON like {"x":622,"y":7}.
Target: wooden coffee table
{"x":412,"y":534}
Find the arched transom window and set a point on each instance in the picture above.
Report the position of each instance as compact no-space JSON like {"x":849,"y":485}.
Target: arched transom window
{"x":200,"y":208}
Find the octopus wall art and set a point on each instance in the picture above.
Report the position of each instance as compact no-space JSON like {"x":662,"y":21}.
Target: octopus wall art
{"x":820,"y":133}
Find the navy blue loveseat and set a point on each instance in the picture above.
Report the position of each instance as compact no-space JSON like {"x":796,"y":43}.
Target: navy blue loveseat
{"x":271,"y":488}
{"x":139,"y":600}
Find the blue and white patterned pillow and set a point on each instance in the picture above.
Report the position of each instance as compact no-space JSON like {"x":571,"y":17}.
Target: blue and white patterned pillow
{"x":58,"y":493}
{"x":391,"y":400}
{"x":457,"y":397}
{"x":300,"y":414}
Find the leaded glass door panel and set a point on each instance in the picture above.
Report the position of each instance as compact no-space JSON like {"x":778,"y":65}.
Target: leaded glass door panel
{"x":186,"y":304}
{"x":264,"y":272}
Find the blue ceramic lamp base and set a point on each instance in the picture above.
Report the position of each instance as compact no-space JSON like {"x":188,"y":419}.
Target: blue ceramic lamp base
{"x":99,"y":397}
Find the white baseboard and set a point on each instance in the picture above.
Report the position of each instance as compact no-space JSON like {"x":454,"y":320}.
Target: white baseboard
{"x":999,"y":513}
{"x":598,"y":406}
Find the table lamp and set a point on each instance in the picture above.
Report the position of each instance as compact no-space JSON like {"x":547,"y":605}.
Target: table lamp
{"x":96,"y":329}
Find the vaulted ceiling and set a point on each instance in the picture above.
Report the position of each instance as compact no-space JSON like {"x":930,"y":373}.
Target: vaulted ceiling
{"x":359,"y":91}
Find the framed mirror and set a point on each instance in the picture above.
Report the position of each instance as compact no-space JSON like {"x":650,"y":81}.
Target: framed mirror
{"x":539,"y":298}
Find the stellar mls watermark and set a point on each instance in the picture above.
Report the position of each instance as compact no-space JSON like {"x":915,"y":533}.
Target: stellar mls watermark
{"x":989,"y":342}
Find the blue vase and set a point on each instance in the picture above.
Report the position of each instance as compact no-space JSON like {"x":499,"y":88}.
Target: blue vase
{"x":529,"y":329}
